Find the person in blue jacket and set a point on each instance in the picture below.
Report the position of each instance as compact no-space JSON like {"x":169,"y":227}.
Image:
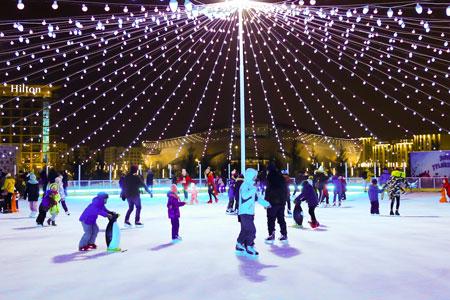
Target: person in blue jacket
{"x":248,"y":195}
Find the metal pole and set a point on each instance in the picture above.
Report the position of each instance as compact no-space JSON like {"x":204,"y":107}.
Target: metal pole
{"x":229,"y":171}
{"x":110,"y":176}
{"x":242,"y":88}
{"x":79,"y":176}
{"x":200,"y":173}
{"x":287,"y":168}
{"x":346,"y":171}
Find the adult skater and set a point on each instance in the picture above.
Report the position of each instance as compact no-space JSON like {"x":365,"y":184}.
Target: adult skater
{"x":395,"y":187}
{"x":185,"y":181}
{"x":384,"y":178}
{"x":309,"y":195}
{"x":248,"y":195}
{"x":32,"y":194}
{"x":149,"y":181}
{"x":231,"y":191}
{"x":287,"y":182}
{"x":211,"y":186}
{"x":338,"y":189}
{"x":130,"y":191}
{"x":277,"y":195}
{"x":319,"y":182}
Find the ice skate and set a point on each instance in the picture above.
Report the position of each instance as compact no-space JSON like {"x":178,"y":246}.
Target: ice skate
{"x":39,"y":224}
{"x":340,"y":204}
{"x":314,"y":225}
{"x":251,"y":251}
{"x":92,"y":246}
{"x":239,"y":247}
{"x":68,"y":213}
{"x":391,"y":213}
{"x":84,"y":248}
{"x":283,"y":238}
{"x":209,"y":202}
{"x":397,"y":213}
{"x":289,"y":213}
{"x":270,"y":239}
{"x":53,"y":223}
{"x":297,"y":226}
{"x":139,"y":225}
{"x":127,"y":224}
{"x":49,"y":221}
{"x":177,"y":239}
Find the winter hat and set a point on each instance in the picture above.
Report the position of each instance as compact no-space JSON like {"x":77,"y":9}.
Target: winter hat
{"x":173,"y":188}
{"x":53,"y":185}
{"x":134,"y":169}
{"x":103,"y":195}
{"x":32,"y":178}
{"x":374,"y":181}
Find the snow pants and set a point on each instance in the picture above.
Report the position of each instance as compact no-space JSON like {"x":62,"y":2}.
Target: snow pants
{"x":248,"y":230}
{"x":175,"y":227}
{"x":90,"y":234}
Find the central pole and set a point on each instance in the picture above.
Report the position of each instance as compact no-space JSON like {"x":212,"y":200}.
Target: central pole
{"x":242,"y":88}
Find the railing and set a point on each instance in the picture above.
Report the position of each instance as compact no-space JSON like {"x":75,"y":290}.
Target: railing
{"x":416,"y":183}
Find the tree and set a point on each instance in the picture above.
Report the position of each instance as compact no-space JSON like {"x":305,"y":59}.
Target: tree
{"x":341,"y":160}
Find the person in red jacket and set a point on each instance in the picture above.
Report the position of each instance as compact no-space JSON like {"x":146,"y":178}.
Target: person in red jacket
{"x":185,"y":181}
{"x":445,"y":190}
{"x":211,"y":186}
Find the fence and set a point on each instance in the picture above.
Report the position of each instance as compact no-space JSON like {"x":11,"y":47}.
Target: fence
{"x":417,"y":183}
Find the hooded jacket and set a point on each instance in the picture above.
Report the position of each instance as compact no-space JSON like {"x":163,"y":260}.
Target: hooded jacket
{"x":95,"y":209}
{"x":277,"y":192}
{"x":9,"y":184}
{"x":248,"y":194}
{"x":308,"y":194}
{"x":373,"y":192}
{"x":61,"y":191}
{"x":173,"y":205}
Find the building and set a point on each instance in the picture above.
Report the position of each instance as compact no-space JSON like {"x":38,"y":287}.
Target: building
{"x":25,"y":123}
{"x":134,"y":156}
{"x":300,"y":150}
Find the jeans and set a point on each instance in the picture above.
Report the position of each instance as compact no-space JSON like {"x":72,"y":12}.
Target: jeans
{"x":90,"y":234}
{"x":248,"y":230}
{"x":132,"y":202}
{"x":64,"y":205}
{"x":175,"y":227}
{"x":374,"y":207}
{"x":312,"y":214}
{"x":276,"y":213}
{"x":185,"y":192}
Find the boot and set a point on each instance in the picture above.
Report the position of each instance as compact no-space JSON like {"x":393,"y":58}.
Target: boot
{"x":53,"y":223}
{"x":283,"y":238}
{"x":49,"y":221}
{"x":391,"y":213}
{"x":139,"y":224}
{"x":397,"y":213}
{"x":270,"y":238}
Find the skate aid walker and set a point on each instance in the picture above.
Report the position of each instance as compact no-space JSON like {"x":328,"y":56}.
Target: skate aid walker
{"x":112,"y":234}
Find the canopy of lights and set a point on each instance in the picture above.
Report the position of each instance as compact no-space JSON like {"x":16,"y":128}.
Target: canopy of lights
{"x":335,"y":70}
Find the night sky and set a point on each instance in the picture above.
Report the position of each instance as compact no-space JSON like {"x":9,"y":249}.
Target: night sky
{"x":366,"y":106}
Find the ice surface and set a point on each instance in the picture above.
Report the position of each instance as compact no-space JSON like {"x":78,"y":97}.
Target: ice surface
{"x":353,"y":256}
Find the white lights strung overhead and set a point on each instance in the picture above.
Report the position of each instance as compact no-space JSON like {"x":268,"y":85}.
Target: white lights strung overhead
{"x":55,"y":5}
{"x":20,"y":4}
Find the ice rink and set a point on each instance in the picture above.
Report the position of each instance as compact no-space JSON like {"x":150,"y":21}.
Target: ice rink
{"x":352,"y":256}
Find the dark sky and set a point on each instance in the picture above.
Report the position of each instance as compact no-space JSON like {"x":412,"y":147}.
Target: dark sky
{"x":367,"y":105}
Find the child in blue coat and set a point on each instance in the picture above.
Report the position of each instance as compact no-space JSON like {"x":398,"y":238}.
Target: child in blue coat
{"x":373,"y":197}
{"x":88,"y":220}
{"x":248,"y":195}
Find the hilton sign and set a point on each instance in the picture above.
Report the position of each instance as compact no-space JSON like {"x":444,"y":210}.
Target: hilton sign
{"x":23,"y":90}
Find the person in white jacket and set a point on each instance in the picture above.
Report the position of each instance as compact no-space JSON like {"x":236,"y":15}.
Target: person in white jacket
{"x":248,"y":195}
{"x":62,"y":193}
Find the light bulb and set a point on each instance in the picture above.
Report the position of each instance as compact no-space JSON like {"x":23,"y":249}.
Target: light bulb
{"x":125,"y":9}
{"x":447,"y":11}
{"x":84,"y":8}
{"x":419,"y":8}
{"x":106,"y":7}
{"x":173,"y":4}
{"x":188,"y":5}
{"x":20,"y":5}
{"x":55,"y":5}
{"x":390,"y":13}
{"x":312,"y":2}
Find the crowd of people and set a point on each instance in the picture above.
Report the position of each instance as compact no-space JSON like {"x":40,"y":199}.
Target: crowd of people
{"x":269,"y":187}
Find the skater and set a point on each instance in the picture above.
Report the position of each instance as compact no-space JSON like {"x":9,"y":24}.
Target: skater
{"x":319,"y":182}
{"x":287,"y":182}
{"x":445,"y":190}
{"x":43,"y":179}
{"x":173,"y":211}
{"x":301,"y":176}
{"x":32,"y":194}
{"x":8,"y":192}
{"x":88,"y":221}
{"x":194,"y":194}
{"x":344,"y":188}
{"x":373,"y":197}
{"x":49,"y":203}
{"x":248,"y":195}
{"x":277,"y":195}
{"x":384,"y":178}
{"x":130,"y":191}
{"x":231,"y":192}
{"x":309,"y":195}
{"x":62,"y":193}
{"x":395,"y":188}
{"x":149,"y":181}
{"x":237,"y":186}
{"x":185,"y":181}
{"x":338,"y":189}
{"x":211,"y":186}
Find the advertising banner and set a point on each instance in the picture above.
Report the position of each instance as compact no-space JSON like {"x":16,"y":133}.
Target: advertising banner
{"x":430,"y":163}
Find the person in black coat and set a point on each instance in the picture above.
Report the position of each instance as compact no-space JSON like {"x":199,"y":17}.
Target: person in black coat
{"x":149,"y":181}
{"x":130,"y":191}
{"x":32,"y":194}
{"x":277,"y":195}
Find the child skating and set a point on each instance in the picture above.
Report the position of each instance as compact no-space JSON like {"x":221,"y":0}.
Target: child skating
{"x":309,"y":195}
{"x":49,"y":203}
{"x":88,"y":221}
{"x":374,"y":190}
{"x":248,"y":195}
{"x":173,"y":211}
